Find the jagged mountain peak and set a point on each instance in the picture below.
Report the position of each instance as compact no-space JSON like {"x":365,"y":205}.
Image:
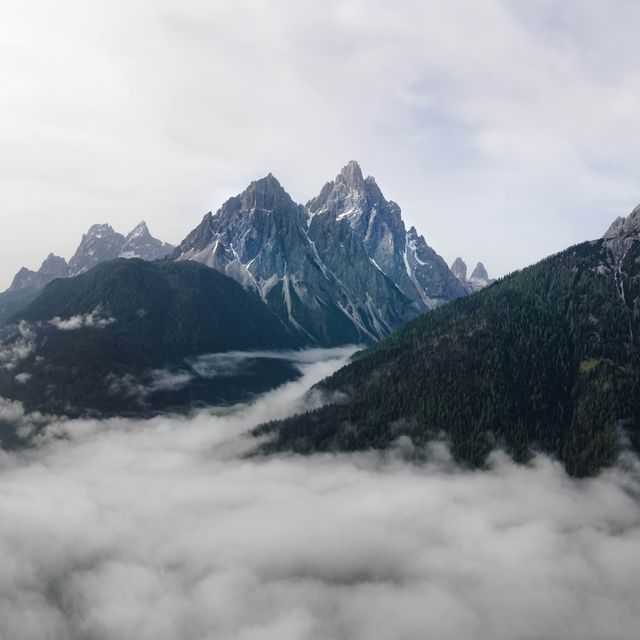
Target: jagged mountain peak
{"x":478,"y":279}
{"x":139,"y":243}
{"x":22,"y":280}
{"x":102,"y":243}
{"x":351,"y":175}
{"x":352,"y":211}
{"x":353,"y":179}
{"x":54,"y":264}
{"x":480,"y":272}
{"x":353,"y":198}
{"x":98,"y":244}
{"x":265,"y":193}
{"x":624,"y":226}
{"x":268,"y":181}
{"x":52,"y":267}
{"x":139,"y":230}
{"x":100,"y":228}
{"x":459,"y":269}
{"x":344,"y":268}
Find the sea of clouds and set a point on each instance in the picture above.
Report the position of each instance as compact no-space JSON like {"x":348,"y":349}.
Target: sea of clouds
{"x":165,"y":529}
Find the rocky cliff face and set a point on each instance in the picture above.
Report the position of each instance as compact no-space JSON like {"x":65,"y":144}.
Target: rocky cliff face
{"x":342,"y":268}
{"x":479,"y":278}
{"x":459,"y":270}
{"x":139,"y":243}
{"x":623,"y":241}
{"x":260,"y":239}
{"x":99,"y":244}
{"x":53,"y":267}
{"x":623,"y":232}
{"x":354,"y":207}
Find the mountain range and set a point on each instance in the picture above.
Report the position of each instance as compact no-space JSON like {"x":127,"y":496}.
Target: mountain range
{"x":342,"y":269}
{"x":545,"y":359}
{"x":99,"y":244}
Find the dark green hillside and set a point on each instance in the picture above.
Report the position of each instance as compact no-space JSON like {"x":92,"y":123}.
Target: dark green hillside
{"x":545,"y":359}
{"x":142,"y":316}
{"x":12,"y":302}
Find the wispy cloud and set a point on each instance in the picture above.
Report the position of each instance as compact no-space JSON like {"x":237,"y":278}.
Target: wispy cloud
{"x":94,"y":320}
{"x":215,"y":365}
{"x":18,"y":343}
{"x":231,"y":363}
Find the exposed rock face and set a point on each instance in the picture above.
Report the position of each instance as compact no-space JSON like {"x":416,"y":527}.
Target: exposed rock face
{"x":259,"y":238}
{"x":623,"y":232}
{"x":343,"y":268}
{"x":353,"y":207}
{"x":430,"y":273}
{"x":479,"y":278}
{"x":53,"y":267}
{"x":139,"y":243}
{"x":99,"y":244}
{"x":459,"y":270}
{"x":623,"y":241}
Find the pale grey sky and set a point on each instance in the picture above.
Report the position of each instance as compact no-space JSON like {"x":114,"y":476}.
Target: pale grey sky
{"x":506,"y":130}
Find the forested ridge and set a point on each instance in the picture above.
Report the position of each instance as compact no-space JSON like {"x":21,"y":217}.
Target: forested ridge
{"x":142,"y":316}
{"x":545,"y":359}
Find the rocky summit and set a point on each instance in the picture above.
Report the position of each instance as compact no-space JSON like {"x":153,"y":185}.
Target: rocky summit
{"x":479,"y":278}
{"x":99,"y":244}
{"x":343,"y":268}
{"x":52,"y":267}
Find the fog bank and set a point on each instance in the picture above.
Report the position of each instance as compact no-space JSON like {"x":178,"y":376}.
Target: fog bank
{"x":162,"y":529}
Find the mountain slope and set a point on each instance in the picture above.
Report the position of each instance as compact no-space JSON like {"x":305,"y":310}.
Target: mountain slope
{"x":547,"y":359}
{"x":123,"y":318}
{"x":259,"y":239}
{"x":14,"y":300}
{"x":353,"y":210}
{"x":342,"y":269}
{"x":100,"y":244}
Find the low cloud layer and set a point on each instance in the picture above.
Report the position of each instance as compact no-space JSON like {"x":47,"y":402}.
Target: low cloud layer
{"x":163,"y":530}
{"x":216,"y":365}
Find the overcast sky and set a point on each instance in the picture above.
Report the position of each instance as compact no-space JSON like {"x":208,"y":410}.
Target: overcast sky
{"x":506,"y":130}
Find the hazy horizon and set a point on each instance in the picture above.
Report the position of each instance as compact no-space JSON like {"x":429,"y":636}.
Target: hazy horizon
{"x":505,"y":131}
